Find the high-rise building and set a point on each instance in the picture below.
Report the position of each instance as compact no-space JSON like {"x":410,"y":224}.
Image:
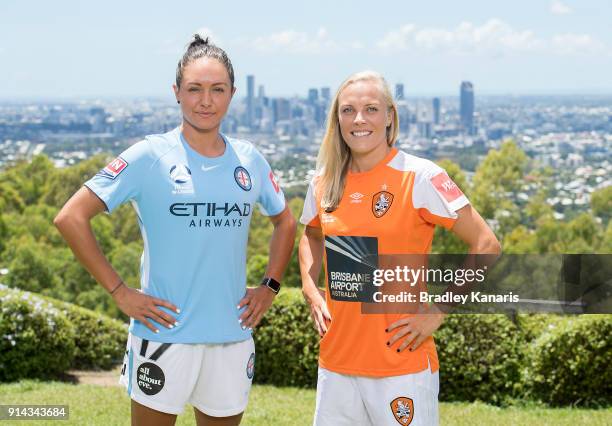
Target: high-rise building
{"x":313,"y":96}
{"x":466,"y":107}
{"x":435,"y":103}
{"x":325,"y":93}
{"x":250,"y":101}
{"x":399,"y":92}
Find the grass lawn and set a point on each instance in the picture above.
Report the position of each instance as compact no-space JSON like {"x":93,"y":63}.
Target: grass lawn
{"x":269,"y":406}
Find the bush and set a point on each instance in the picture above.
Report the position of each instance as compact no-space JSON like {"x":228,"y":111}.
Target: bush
{"x":100,"y":341}
{"x":36,"y":338}
{"x":480,"y":358}
{"x":42,"y":337}
{"x":570,"y":365}
{"x":286,"y":343}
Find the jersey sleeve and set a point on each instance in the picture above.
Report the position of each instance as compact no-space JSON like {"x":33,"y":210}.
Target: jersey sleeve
{"x":121,"y":179}
{"x":271,"y":199}
{"x":310,"y":215}
{"x":436,"y":197}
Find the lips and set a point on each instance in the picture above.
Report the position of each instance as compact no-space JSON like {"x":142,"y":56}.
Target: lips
{"x":361,"y":133}
{"x":205,"y":114}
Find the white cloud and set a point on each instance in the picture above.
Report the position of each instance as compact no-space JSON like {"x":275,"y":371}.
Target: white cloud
{"x":493,"y":38}
{"x":576,"y":44}
{"x":559,"y":8}
{"x":290,"y":41}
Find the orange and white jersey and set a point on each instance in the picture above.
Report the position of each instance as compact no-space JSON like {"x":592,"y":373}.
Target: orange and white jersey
{"x":391,"y":209}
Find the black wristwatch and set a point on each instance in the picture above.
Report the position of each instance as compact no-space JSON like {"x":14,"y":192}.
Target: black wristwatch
{"x":272,"y":284}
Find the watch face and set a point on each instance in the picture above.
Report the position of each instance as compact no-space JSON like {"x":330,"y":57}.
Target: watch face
{"x":272,"y":284}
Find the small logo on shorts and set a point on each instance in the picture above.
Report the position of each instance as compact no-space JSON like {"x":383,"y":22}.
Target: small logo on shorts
{"x":381,"y":203}
{"x":250,"y":368}
{"x":403,"y":410}
{"x":243,"y":179}
{"x":150,"y":378}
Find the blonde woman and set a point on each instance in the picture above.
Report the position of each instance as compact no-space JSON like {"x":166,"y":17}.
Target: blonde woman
{"x":370,"y":198}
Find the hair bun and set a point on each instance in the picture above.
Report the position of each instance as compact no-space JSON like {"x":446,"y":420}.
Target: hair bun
{"x":198,"y":40}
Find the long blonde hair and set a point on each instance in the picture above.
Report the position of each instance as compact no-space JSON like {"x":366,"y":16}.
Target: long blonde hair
{"x":335,"y":155}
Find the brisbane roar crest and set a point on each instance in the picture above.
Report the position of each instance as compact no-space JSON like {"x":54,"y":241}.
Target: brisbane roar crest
{"x":381,"y":203}
{"x":403,"y":410}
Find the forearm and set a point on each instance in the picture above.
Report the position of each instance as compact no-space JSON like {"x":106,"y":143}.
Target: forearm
{"x":281,"y":246}
{"x":311,"y":259}
{"x":80,"y":238}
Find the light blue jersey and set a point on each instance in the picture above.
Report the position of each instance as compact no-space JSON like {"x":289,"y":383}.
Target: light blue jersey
{"x":194,"y":214}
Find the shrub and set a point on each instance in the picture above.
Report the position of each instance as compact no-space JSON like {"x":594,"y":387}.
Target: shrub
{"x":570,"y":365}
{"x":100,"y":341}
{"x":287,"y":344}
{"x":36,"y":338}
{"x":480,"y":358}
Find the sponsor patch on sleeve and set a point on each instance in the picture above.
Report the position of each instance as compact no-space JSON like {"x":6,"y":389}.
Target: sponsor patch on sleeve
{"x":273,"y":180}
{"x":446,"y":187}
{"x":113,"y":169}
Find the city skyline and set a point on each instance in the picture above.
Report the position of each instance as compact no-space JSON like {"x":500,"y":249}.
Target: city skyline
{"x":524,"y":48}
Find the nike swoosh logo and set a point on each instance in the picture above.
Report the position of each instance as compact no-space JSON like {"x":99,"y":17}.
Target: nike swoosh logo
{"x":205,"y":169}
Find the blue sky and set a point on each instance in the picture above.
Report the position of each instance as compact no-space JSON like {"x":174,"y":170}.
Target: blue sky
{"x":76,"y":49}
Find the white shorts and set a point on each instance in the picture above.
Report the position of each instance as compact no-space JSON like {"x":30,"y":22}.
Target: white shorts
{"x":214,"y":378}
{"x":411,"y":399}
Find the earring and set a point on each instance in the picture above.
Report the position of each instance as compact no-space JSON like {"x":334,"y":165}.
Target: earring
{"x":178,"y":102}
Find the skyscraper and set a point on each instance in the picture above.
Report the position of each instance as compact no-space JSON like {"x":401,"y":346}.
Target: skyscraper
{"x":313,"y":96}
{"x":466,"y":107}
{"x":250,"y":101}
{"x":399,"y":92}
{"x":435,"y":103}
{"x":325,"y":93}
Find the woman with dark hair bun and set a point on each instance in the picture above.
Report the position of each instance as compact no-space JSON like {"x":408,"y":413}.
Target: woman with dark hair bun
{"x":193,"y":190}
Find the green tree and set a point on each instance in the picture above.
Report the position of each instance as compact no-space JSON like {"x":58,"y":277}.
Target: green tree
{"x":498,"y":176}
{"x":601,"y":203}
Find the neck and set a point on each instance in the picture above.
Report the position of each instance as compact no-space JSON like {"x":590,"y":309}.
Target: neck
{"x":205,"y":142}
{"x":364,"y":162}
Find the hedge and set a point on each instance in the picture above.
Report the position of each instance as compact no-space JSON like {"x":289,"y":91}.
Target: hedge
{"x":36,"y":338}
{"x":480,"y":358}
{"x":286,"y":343}
{"x":42,"y":337}
{"x":570,"y":365}
{"x":100,"y":340}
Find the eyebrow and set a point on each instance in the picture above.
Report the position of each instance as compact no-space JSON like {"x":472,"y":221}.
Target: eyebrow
{"x":377,"y":103}
{"x":219,"y":83}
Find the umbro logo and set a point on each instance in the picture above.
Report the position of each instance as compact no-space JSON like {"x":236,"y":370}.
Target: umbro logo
{"x":356,"y":197}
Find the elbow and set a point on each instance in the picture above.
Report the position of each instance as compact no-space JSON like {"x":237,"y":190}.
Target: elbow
{"x":291,"y":225}
{"x":489,"y":245}
{"x":61,"y":219}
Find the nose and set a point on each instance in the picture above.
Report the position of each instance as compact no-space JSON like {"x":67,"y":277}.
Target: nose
{"x":359,"y":118}
{"x":206,"y":99}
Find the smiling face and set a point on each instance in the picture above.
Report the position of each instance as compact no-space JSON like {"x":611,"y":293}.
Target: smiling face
{"x":205,"y":94}
{"x":364,"y":116}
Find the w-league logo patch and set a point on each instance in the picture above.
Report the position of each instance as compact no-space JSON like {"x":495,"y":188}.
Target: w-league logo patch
{"x":381,"y":203}
{"x":243,"y":178}
{"x":250,"y":368}
{"x":403,"y":410}
{"x":446,"y":187}
{"x":113,"y":169}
